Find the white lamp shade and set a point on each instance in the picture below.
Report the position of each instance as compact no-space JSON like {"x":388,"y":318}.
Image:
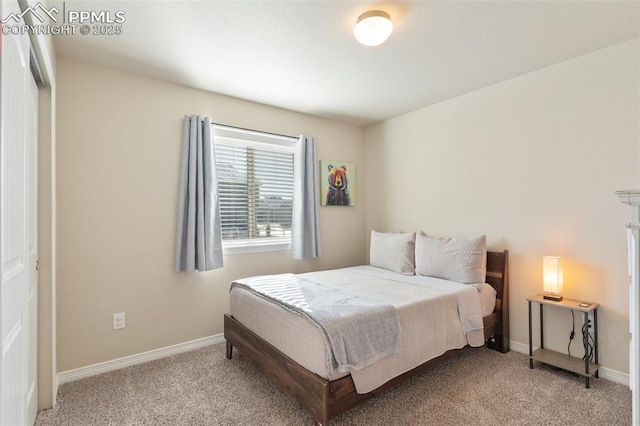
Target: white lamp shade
{"x":552,"y":275}
{"x":373,"y":28}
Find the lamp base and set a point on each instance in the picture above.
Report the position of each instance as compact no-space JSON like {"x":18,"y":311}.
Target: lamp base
{"x":554,"y":297}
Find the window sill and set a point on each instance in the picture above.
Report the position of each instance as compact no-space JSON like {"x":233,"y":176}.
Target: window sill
{"x":242,"y":247}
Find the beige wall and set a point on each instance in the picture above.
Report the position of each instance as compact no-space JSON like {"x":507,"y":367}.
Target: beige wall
{"x":532,"y":162}
{"x":118,"y":148}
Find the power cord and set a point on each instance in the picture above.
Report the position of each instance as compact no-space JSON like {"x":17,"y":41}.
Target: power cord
{"x":573,"y":332}
{"x":586,"y":336}
{"x":589,"y":339}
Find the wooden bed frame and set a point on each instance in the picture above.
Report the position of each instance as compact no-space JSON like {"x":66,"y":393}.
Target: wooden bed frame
{"x":325,"y":399}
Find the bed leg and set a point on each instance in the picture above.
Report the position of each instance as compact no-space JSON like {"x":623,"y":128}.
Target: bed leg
{"x":229,"y":350}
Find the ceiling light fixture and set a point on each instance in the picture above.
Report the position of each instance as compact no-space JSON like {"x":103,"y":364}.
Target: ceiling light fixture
{"x":373,"y":28}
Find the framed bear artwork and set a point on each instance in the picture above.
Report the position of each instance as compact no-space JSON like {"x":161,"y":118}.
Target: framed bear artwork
{"x":337,"y":183}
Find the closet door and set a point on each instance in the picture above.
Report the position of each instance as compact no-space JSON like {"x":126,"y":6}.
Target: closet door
{"x":15,"y":268}
{"x":633,"y":236}
{"x":632,"y":198}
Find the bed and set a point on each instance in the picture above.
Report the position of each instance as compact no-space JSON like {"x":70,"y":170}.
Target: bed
{"x":326,"y":394}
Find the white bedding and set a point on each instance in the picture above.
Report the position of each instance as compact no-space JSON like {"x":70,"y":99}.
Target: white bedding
{"x":360,"y":329}
{"x":426,"y":332}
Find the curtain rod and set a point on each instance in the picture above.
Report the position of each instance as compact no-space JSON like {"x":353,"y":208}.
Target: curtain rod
{"x":252,"y":130}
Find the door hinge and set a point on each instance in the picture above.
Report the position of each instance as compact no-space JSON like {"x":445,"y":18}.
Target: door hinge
{"x":37,"y":265}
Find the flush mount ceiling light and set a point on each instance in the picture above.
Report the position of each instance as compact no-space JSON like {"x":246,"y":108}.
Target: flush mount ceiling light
{"x":373,"y":28}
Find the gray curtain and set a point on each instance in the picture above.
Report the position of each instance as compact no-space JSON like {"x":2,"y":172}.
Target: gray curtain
{"x":305,"y":228}
{"x":199,"y":239}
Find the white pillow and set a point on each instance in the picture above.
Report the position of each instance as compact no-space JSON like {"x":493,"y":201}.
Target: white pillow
{"x":463,"y":260}
{"x":394,"y":252}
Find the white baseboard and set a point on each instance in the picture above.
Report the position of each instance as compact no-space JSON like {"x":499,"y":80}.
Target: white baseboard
{"x":614,"y":376}
{"x":604,"y":373}
{"x":519,"y":347}
{"x":127,"y":361}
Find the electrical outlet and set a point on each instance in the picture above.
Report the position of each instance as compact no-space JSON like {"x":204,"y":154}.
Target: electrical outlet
{"x":118,"y":321}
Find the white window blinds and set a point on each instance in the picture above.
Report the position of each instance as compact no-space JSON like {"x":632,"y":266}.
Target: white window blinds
{"x":255,"y":183}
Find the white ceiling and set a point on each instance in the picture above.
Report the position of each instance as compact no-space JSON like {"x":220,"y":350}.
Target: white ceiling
{"x":301,"y":55}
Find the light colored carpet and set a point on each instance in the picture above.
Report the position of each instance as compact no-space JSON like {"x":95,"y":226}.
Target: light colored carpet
{"x":480,"y":387}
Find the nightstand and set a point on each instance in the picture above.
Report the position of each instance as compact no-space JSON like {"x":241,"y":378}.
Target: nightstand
{"x":582,"y":367}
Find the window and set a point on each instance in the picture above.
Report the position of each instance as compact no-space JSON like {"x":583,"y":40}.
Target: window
{"x":255,"y":183}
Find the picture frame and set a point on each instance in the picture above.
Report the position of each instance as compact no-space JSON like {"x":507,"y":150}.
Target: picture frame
{"x":337,"y":183}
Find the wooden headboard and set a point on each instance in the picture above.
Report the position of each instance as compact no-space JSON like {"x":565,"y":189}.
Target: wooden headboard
{"x":498,"y":278}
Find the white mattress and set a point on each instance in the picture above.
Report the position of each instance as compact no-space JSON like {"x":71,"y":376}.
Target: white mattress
{"x":303,"y":341}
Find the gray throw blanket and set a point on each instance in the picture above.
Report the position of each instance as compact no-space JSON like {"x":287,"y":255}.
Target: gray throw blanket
{"x":360,"y":330}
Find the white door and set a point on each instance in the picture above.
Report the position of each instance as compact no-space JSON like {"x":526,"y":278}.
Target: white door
{"x":18,"y":237}
{"x":632,"y":198}
{"x":633,"y":235}
{"x":634,"y":319}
